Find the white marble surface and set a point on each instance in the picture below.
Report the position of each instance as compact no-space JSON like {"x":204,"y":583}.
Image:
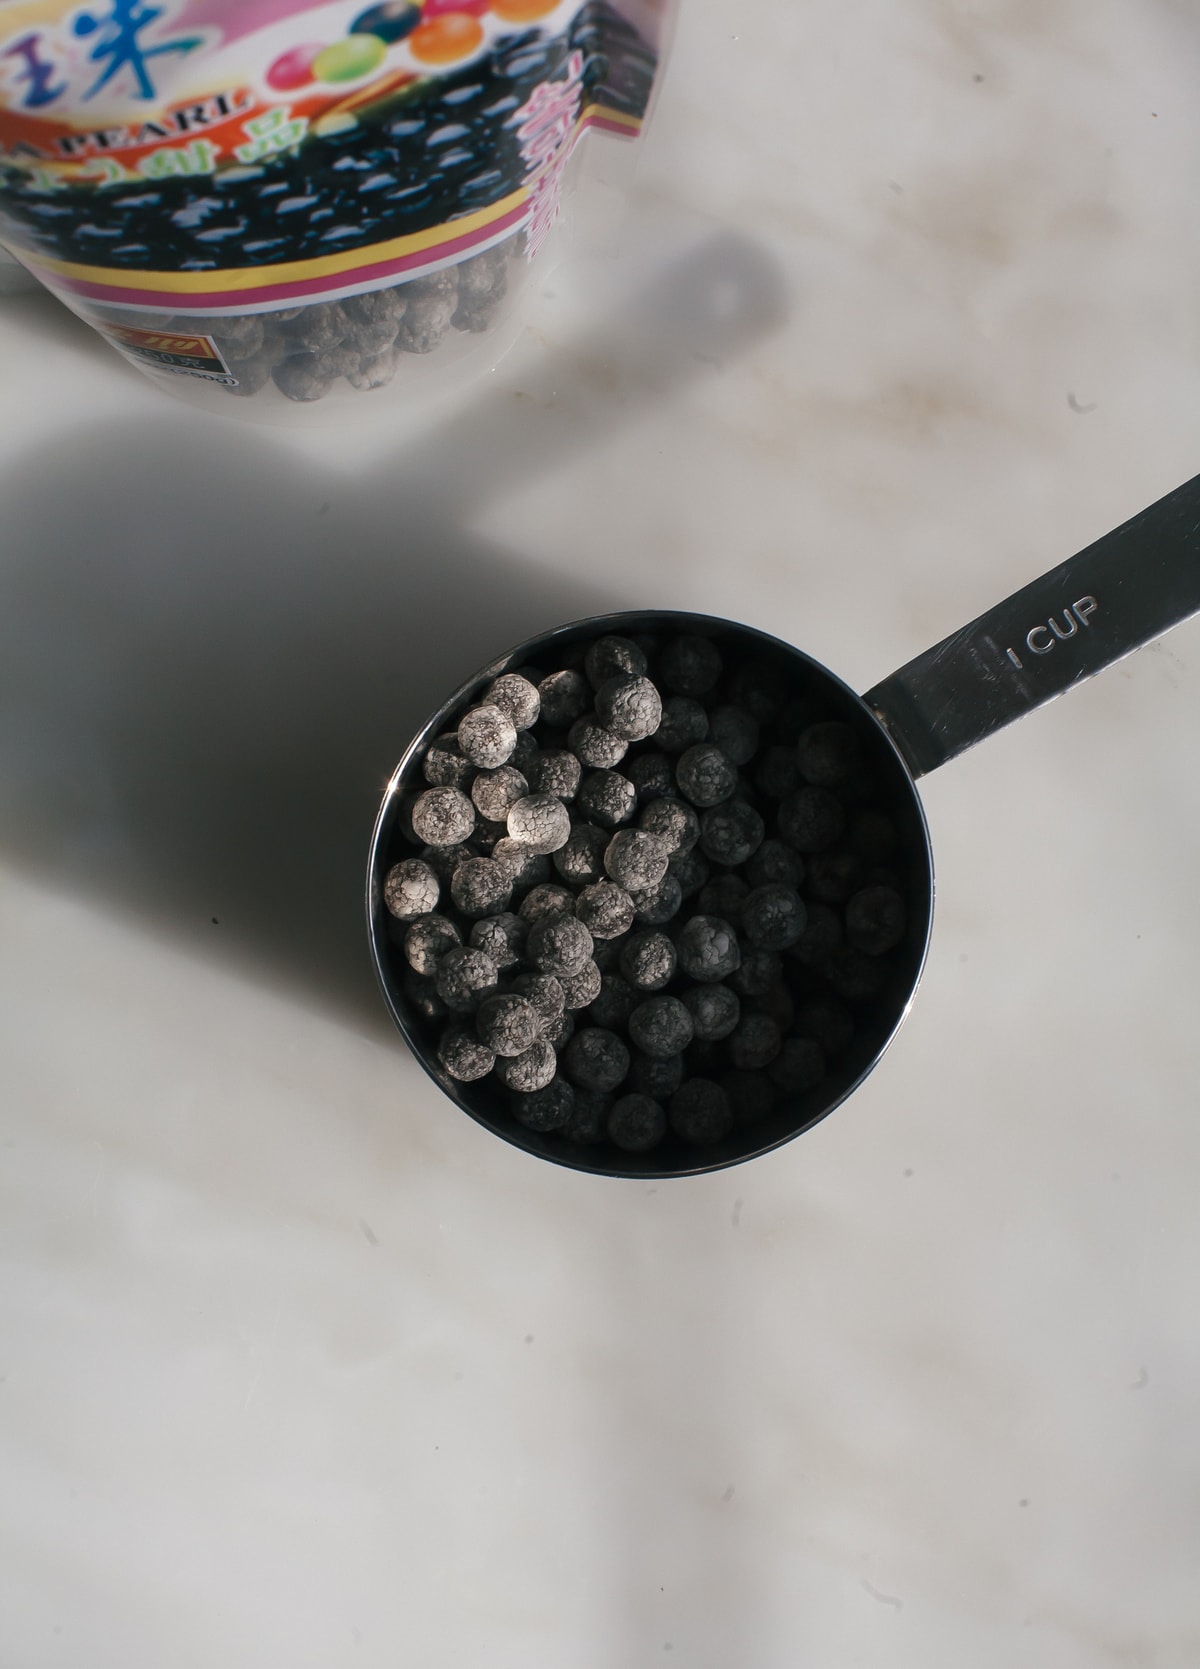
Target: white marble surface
{"x":297,"y":1365}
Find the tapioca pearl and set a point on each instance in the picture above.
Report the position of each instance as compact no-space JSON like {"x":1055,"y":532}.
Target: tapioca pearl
{"x":546,"y":996}
{"x":731,"y":833}
{"x":661,"y":1027}
{"x":464,"y":976}
{"x":557,"y":772}
{"x":495,"y":792}
{"x":684,"y":724}
{"x":560,"y":946}
{"x":594,"y":744}
{"x":707,"y":948}
{"x":546,"y":1109}
{"x":636,"y":860}
{"x":580,"y":860}
{"x":736,"y":732}
{"x":774,"y":916}
{"x":759,"y":971}
{"x":588,"y":1121}
{"x":528,"y":1072}
{"x":444,"y":860}
{"x":704,"y":775}
{"x":546,"y":902}
{"x":515,"y":696}
{"x":525,"y":755}
{"x":610,"y":657}
{"x":629,"y":706}
{"x":605,"y":953}
{"x":615,"y":1001}
{"x":832,"y":876}
{"x":607,"y":798}
{"x":301,"y":377}
{"x":427,"y":941}
{"x":411,"y":889}
{"x":652,"y":775}
{"x":581,"y":989}
{"x":691,"y":666}
{"x":648,"y":961}
{"x":674,"y":822}
{"x":507,"y":1024}
{"x":656,"y":906}
{"x":605,"y":909}
{"x":654,"y":1077}
{"x":775,"y":864}
{"x":541,"y":822}
{"x":502,"y":937}
{"x":636,"y":1124}
{"x":443,"y":817}
{"x":596,"y":1059}
{"x":565,"y":697}
{"x":487,"y":737}
{"x":527,"y":869}
{"x":376,"y":370}
{"x":812,"y":819}
{"x":692,"y":870}
{"x":754,"y":1042}
{"x":876,"y":919}
{"x":715,"y":1011}
{"x":699,"y":1111}
{"x":465,"y":1058}
{"x":481,"y":887}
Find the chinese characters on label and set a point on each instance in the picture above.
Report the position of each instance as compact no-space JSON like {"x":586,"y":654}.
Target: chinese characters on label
{"x":545,"y":126}
{"x":37,"y":74}
{"x":276,"y":130}
{"x":118,"y":48}
{"x":120,"y":31}
{"x":267,"y":135}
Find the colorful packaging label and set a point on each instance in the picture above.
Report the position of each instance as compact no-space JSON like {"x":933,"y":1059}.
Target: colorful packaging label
{"x":187,"y":355}
{"x":241,"y":155}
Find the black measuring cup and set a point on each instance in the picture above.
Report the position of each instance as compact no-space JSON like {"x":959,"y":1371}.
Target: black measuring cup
{"x":1113,"y":597}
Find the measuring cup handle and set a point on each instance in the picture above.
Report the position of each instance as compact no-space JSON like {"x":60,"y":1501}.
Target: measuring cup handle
{"x":1129,"y":587}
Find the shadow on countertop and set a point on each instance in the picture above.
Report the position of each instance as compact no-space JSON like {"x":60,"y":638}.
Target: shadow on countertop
{"x":211,"y":655}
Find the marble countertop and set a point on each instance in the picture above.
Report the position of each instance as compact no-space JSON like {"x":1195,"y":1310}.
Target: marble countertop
{"x":297,"y":1364}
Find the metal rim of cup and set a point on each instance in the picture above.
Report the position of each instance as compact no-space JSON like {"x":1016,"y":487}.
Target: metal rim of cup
{"x":485,"y":1101}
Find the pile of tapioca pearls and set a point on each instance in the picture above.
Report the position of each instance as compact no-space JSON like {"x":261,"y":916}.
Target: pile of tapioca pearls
{"x":436,"y":32}
{"x":649,"y":893}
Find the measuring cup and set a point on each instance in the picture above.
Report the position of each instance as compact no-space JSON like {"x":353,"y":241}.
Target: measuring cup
{"x":1110,"y":599}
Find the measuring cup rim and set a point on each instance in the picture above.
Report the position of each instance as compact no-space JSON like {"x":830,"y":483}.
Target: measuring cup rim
{"x":623,"y":622}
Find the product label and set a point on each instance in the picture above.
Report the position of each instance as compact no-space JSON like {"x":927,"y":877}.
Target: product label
{"x":209,"y":155}
{"x":188,"y":355}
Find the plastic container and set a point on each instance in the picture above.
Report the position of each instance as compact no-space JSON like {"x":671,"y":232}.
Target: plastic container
{"x":256,"y":200}
{"x":13,"y":277}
